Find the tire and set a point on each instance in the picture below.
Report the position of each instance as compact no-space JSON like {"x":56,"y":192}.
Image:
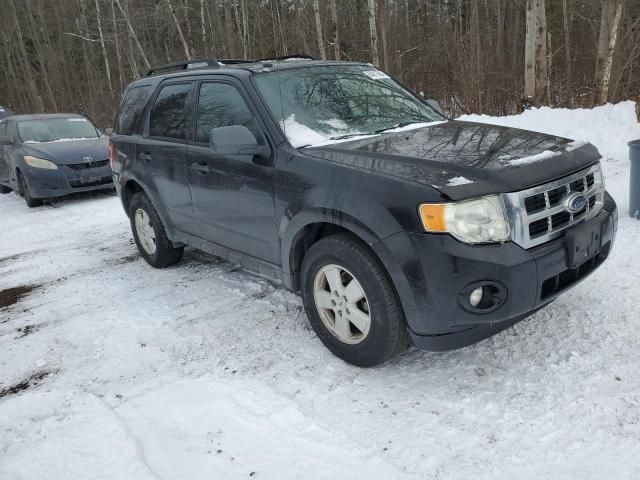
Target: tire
{"x":4,"y":190}
{"x":386,"y":335}
{"x":146,"y":223}
{"x":24,"y":191}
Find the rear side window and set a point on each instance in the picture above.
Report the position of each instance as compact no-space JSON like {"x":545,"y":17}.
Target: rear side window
{"x":132,"y":105}
{"x":169,"y":113}
{"x":221,"y":105}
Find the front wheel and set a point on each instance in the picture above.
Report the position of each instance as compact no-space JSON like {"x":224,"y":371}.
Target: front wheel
{"x":24,"y":191}
{"x":4,"y":190}
{"x":150,"y":235}
{"x":351,"y":303}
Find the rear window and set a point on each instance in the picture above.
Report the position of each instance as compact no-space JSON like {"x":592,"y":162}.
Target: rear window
{"x":132,"y":106}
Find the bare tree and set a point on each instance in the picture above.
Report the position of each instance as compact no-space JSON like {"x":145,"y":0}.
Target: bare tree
{"x":373,"y":33}
{"x":608,"y":64}
{"x":316,"y":14}
{"x":334,"y":29}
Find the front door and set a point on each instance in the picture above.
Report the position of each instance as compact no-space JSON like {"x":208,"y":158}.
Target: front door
{"x":162,"y":154}
{"x":233,"y":194}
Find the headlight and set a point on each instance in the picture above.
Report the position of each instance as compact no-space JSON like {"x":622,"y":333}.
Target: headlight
{"x":36,"y":162}
{"x":483,"y":220}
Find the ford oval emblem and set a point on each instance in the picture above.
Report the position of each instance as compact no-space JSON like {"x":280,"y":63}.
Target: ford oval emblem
{"x":575,"y":203}
{"x":87,"y":159}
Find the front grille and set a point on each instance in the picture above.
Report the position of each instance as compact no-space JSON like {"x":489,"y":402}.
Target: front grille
{"x":540,"y":214}
{"x":86,"y":166}
{"x":100,"y":181}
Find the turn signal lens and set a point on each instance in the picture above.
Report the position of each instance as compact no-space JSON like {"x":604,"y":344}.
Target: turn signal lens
{"x":432,"y":216}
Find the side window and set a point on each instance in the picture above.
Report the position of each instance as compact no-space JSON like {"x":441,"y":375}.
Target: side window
{"x":3,"y":131}
{"x":168,"y":115}
{"x":132,"y":106}
{"x":221,"y":105}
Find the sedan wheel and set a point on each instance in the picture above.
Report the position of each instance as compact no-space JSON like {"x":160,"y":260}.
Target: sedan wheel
{"x":144,"y":229}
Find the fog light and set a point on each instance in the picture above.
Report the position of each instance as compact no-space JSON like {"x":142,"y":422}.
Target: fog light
{"x":476,"y":296}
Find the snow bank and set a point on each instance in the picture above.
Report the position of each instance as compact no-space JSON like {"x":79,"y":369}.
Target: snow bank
{"x":609,"y":127}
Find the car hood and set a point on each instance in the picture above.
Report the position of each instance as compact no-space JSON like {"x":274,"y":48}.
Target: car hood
{"x":465,"y":159}
{"x":70,"y":151}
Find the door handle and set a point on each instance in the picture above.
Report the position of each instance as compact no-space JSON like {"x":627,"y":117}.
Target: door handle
{"x":200,"y":167}
{"x":145,"y":156}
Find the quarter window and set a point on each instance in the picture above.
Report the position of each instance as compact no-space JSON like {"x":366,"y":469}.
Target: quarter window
{"x":221,"y":105}
{"x":168,"y":115}
{"x":132,"y":105}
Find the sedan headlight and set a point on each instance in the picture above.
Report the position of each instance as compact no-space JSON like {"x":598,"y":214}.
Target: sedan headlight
{"x":483,"y":220}
{"x":36,"y":162}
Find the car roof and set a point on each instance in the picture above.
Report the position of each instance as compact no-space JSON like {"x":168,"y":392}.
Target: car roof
{"x":248,"y":67}
{"x":44,"y":116}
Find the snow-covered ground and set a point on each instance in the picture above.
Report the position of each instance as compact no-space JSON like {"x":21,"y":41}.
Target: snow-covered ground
{"x":120,"y":371}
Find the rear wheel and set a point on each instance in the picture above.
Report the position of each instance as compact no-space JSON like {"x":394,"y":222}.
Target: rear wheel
{"x":24,"y":191}
{"x":150,"y":235}
{"x":351,"y":303}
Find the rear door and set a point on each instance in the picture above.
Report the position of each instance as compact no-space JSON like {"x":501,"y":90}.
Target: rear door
{"x":162,"y":153}
{"x":233,"y":194}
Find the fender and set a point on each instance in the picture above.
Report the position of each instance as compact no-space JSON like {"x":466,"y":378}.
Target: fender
{"x":162,"y":213}
{"x":360,"y":214}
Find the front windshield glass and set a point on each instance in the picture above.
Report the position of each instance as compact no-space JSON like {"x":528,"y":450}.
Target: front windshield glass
{"x":319,"y":105}
{"x":56,"y":130}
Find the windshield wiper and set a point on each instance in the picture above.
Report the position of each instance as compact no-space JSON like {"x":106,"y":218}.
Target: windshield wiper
{"x":348,"y":135}
{"x":399,"y":125}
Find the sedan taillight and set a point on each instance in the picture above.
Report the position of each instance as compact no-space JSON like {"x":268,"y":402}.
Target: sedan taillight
{"x":112,"y":155}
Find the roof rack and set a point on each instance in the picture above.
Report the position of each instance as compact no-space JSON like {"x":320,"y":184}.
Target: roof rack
{"x":288,"y":57}
{"x":215,"y":63}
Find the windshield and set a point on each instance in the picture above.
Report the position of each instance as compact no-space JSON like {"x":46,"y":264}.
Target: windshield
{"x":56,"y":130}
{"x":318,"y":105}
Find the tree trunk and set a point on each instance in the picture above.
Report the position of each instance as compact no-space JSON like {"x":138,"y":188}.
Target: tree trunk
{"x":608,"y":11}
{"x":334,"y":27}
{"x":133,"y":34}
{"x":530,"y":52}
{"x":542,"y":70}
{"x":105,"y":57}
{"x":316,"y":14}
{"x":28,"y":73}
{"x":228,"y":27}
{"x":567,"y":48}
{"x":203,"y":29}
{"x":183,"y":40}
{"x":608,"y":64}
{"x":373,"y":33}
{"x":382,"y":20}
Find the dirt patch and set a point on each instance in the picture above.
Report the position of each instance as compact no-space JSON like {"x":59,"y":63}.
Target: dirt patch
{"x":123,"y":260}
{"x":27,"y":330}
{"x":11,"y":296}
{"x":31,"y":381}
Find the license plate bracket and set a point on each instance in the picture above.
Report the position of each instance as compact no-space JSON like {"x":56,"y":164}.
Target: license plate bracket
{"x":89,"y":178}
{"x":583,"y":243}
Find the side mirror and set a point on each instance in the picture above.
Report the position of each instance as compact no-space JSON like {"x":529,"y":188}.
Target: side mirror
{"x":236,"y":140}
{"x":435,"y":105}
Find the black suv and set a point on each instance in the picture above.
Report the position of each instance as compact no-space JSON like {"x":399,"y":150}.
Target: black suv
{"x":335,"y":181}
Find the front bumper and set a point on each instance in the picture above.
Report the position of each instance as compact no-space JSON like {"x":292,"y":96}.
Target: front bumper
{"x":66,"y":180}
{"x":438,"y":272}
